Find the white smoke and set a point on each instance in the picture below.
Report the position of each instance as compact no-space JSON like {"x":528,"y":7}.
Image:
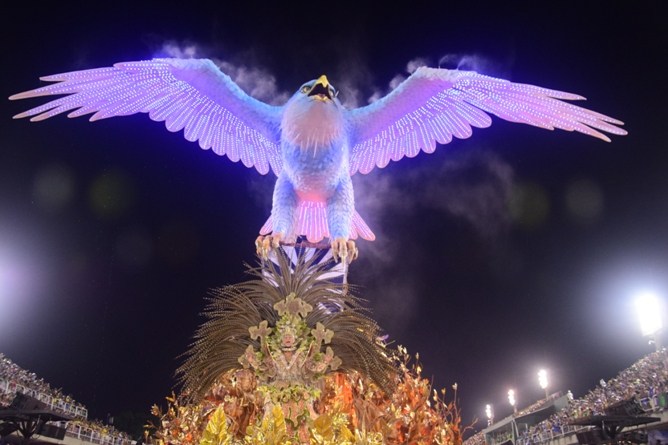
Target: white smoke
{"x":353,"y":79}
{"x":374,"y":97}
{"x":179,"y":51}
{"x":474,"y":187}
{"x":416,"y":63}
{"x":411,"y":67}
{"x":257,"y":82}
{"x":477,"y":63}
{"x":396,"y":81}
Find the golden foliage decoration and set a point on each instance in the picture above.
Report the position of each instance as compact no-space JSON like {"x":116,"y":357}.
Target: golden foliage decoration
{"x":179,"y":424}
{"x":271,"y":431}
{"x":351,"y":410}
{"x":216,"y":432}
{"x":329,"y":430}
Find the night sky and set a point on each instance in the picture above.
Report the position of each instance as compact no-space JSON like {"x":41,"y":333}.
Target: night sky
{"x":516,"y":249}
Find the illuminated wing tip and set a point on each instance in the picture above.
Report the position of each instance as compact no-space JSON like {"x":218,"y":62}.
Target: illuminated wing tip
{"x":21,"y":115}
{"x":54,"y":78}
{"x":16,"y":96}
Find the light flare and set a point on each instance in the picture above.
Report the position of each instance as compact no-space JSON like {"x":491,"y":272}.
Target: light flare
{"x":649,"y":308}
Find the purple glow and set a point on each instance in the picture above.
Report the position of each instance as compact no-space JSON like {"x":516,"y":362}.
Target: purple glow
{"x":19,"y":281}
{"x":312,"y":143}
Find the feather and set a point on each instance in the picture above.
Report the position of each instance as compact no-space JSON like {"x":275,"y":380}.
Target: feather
{"x":224,"y":335}
{"x":179,"y":92}
{"x":436,"y":104}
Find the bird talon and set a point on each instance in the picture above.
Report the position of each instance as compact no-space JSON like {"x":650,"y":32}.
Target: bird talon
{"x":344,"y":250}
{"x":352,"y":250}
{"x":259,"y":247}
{"x":264,"y":244}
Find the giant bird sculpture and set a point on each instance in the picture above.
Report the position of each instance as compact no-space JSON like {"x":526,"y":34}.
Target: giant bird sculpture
{"x":313,"y":144}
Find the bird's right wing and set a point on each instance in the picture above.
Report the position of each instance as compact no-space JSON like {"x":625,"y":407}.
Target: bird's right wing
{"x":187,"y":94}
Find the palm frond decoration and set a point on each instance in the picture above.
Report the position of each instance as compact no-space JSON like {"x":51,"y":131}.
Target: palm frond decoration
{"x":239,"y":318}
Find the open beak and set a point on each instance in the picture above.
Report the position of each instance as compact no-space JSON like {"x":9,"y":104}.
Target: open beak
{"x":320,"y":89}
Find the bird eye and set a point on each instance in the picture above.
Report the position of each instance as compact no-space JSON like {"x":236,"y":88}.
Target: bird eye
{"x":333,"y":91}
{"x":305,"y":89}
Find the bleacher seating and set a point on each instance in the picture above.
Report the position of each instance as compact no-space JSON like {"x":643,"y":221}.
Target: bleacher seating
{"x":16,"y":380}
{"x":640,"y":389}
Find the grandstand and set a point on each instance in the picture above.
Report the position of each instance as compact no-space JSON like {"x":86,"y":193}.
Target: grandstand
{"x":17,"y":383}
{"x":633,"y":405}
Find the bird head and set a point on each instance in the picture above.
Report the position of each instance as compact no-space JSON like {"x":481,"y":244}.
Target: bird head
{"x":313,"y":116}
{"x":319,"y":89}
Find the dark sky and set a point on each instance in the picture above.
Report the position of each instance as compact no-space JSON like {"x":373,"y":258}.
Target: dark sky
{"x":513,"y":250}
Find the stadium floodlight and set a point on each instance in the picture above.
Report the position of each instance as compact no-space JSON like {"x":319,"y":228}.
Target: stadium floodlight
{"x":542,"y":380}
{"x":511,"y":400}
{"x":490,"y":414}
{"x":648,"y":308}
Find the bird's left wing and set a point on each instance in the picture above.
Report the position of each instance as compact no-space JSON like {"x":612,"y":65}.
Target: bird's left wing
{"x":187,"y":94}
{"x":433,"y":105}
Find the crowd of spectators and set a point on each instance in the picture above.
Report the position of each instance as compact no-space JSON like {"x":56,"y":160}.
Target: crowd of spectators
{"x":14,"y":379}
{"x":645,"y":382}
{"x":97,"y":432}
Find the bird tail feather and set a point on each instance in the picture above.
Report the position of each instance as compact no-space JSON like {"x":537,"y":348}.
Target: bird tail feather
{"x":311,"y":222}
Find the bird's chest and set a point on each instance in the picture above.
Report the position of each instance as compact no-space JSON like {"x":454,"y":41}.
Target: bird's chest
{"x":315,"y":169}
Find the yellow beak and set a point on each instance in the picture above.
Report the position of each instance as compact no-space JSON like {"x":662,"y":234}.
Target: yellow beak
{"x":321,"y":86}
{"x":322,"y":80}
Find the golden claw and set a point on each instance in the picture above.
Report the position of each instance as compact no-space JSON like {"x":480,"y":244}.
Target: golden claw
{"x":345,"y":250}
{"x":264,"y":244}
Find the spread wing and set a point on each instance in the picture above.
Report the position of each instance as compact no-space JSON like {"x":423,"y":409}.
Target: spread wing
{"x":433,"y":105}
{"x":187,"y":94}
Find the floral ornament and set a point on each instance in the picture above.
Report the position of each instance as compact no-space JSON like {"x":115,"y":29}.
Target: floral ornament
{"x":249,"y":358}
{"x":333,"y":361}
{"x":290,"y":362}
{"x":293,"y":305}
{"x":320,"y":333}
{"x":290,"y":353}
{"x":262,"y":330}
